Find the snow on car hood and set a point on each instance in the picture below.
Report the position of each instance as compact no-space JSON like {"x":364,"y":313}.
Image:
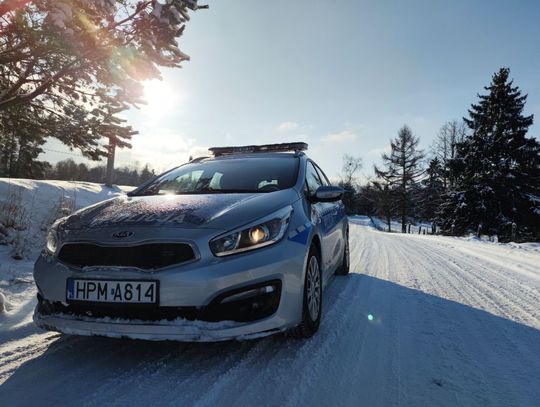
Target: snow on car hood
{"x":216,"y":211}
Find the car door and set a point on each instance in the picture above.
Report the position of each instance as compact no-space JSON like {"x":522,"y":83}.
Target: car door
{"x":334,"y":217}
{"x":320,"y":217}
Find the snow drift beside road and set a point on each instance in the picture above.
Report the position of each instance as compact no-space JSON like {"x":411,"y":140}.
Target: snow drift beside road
{"x":41,"y":202}
{"x":38,"y":204}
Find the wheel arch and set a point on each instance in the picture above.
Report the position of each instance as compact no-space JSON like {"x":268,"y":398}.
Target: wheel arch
{"x":316,"y":240}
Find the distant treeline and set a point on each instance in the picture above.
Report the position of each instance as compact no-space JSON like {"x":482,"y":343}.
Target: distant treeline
{"x":69,"y":170}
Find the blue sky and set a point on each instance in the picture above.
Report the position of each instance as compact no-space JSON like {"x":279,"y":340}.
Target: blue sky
{"x":342,"y":75}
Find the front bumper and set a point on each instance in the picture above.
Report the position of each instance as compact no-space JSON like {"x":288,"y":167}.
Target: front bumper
{"x":195,"y":286}
{"x":177,"y":330}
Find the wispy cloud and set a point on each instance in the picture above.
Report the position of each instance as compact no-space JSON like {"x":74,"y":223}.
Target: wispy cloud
{"x":377,"y":152}
{"x":341,"y":137}
{"x":288,"y":126}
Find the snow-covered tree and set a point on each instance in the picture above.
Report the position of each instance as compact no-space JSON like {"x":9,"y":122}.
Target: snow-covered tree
{"x":496,"y":171}
{"x":402,"y":170}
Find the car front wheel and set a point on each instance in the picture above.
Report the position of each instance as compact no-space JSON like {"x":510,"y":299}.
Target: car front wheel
{"x":343,"y":270}
{"x":312,"y":304}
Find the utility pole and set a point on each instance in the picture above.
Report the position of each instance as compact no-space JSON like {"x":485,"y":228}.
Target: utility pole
{"x":110,"y":162}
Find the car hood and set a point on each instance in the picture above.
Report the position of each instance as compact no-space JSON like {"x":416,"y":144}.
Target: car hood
{"x":213,"y":211}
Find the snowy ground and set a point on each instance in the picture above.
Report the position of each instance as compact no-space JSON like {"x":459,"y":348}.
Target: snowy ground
{"x":455,"y":323}
{"x":37,"y":204}
{"x":395,"y":226}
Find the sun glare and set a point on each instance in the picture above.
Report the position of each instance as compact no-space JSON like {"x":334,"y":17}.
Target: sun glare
{"x":161,"y":98}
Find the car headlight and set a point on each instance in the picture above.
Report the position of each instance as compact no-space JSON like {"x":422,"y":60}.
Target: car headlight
{"x":52,"y":241}
{"x":264,"y":232}
{"x":52,"y":237}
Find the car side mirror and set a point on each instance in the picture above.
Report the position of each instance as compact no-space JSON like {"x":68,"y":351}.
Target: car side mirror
{"x":327,"y":193}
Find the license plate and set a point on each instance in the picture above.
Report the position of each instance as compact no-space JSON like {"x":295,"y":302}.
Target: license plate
{"x":120,"y":291}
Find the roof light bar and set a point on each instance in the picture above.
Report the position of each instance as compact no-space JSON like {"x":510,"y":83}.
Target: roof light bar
{"x":265,"y":148}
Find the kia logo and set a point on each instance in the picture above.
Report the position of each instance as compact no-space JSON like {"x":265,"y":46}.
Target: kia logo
{"x":122,"y":235}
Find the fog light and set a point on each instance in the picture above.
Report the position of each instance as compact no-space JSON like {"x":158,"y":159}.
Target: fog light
{"x":246,"y":304}
{"x":249,"y":293}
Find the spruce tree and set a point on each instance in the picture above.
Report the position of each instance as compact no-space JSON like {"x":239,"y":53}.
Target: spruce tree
{"x":496,"y":173}
{"x":431,"y":192}
{"x":402,"y":171}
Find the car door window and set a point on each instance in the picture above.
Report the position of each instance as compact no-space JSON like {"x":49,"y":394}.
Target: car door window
{"x":313,"y":180}
{"x":322,"y":175}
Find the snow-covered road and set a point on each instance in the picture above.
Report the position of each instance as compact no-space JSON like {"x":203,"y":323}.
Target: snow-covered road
{"x":455,"y":323}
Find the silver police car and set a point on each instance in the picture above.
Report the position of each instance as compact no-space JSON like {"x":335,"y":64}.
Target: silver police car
{"x":237,"y":245}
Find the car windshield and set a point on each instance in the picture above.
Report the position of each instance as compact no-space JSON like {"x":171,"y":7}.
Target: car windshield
{"x":242,"y":175}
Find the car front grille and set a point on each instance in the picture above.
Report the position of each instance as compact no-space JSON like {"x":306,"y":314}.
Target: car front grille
{"x":149,"y":256}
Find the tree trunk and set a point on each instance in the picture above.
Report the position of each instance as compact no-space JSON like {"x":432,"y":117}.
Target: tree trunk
{"x":110,"y":164}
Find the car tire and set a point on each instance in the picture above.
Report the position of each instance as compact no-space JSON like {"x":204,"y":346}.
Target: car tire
{"x":343,"y":270}
{"x":312,"y":303}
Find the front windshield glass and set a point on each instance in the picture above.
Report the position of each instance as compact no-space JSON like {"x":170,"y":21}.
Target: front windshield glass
{"x":242,"y":175}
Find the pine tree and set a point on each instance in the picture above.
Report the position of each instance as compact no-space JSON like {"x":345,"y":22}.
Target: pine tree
{"x":403,"y":169}
{"x":496,"y":173}
{"x":21,"y":138}
{"x":350,"y":197}
{"x":62,"y":63}
{"x":431,"y":192}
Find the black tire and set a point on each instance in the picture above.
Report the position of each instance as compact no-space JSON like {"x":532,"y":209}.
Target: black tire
{"x":343,"y":270}
{"x":309,"y":324}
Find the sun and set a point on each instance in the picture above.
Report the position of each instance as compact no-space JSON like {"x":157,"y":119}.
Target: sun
{"x":161,"y":98}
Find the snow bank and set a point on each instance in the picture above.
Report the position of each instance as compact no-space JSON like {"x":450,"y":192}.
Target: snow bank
{"x":27,"y":209}
{"x":381,"y":225}
{"x":30,"y":207}
{"x":395,"y":226}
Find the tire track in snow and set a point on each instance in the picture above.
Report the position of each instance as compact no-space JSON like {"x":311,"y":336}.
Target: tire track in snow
{"x":480,"y":295}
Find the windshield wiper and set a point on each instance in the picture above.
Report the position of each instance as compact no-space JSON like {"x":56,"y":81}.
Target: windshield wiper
{"x":218,"y":191}
{"x":203,"y":191}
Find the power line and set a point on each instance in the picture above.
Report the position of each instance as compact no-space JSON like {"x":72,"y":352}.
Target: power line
{"x":62,"y":152}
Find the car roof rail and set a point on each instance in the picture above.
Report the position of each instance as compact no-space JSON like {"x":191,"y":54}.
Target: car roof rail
{"x":263,"y":148}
